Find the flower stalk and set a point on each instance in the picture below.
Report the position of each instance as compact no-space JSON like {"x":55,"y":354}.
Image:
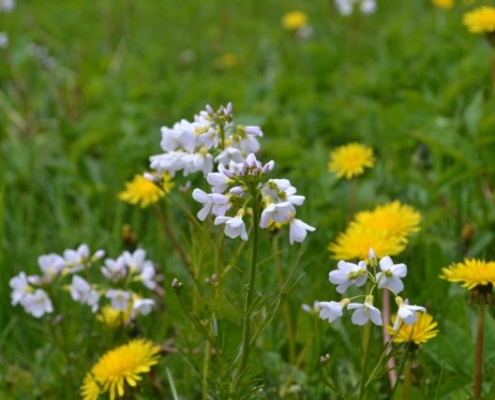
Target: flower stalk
{"x":478,"y":364}
{"x":250,"y":290}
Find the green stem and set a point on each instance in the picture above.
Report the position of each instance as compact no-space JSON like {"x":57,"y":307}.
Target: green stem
{"x":366,"y":346}
{"x":286,"y":306}
{"x":206,"y":371}
{"x":406,"y":386}
{"x":478,"y":364}
{"x":246,"y":322}
{"x":170,"y":233}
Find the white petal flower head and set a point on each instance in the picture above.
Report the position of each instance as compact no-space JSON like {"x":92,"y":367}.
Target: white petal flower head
{"x":406,"y":313}
{"x":119,"y":299}
{"x":76,"y":260}
{"x":365,"y":312}
{"x":216,"y":203}
{"x":299,"y":230}
{"x":37,"y":304}
{"x":20,"y":287}
{"x":136,"y":261}
{"x":391,"y":275}
{"x":142,"y":307}
{"x":51,"y":265}
{"x":114,"y":270}
{"x":147,"y":276}
{"x":82,"y":292}
{"x":171,"y":162}
{"x":331,"y":310}
{"x":234,"y":226}
{"x":348,"y":274}
{"x":229,"y":154}
{"x":277,"y":212}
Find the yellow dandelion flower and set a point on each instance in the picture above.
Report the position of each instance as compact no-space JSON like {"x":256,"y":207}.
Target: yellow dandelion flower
{"x":357,"y":240}
{"x":121,"y":365}
{"x":294,"y":20}
{"x":471,"y":273}
{"x":112,"y":317}
{"x":481,"y":20}
{"x":443,"y":3}
{"x":144,"y":192}
{"x":419,"y":332}
{"x":350,"y":160}
{"x":392,"y":218}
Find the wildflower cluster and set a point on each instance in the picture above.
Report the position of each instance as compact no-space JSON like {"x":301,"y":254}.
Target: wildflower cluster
{"x":211,"y":138}
{"x":385,"y":229}
{"x":389,"y":277}
{"x":33,"y":292}
{"x":346,"y":7}
{"x":240,"y":186}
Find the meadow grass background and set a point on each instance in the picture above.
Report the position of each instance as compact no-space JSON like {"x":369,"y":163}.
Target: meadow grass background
{"x":86,"y":86}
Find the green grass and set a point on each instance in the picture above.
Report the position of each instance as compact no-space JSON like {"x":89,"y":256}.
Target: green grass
{"x":84,"y":90}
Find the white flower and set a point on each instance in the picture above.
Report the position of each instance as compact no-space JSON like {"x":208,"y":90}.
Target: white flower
{"x":348,"y":274}
{"x":136,"y":261}
{"x":390,"y":276}
{"x":51,"y":265}
{"x":229,"y":154}
{"x":142,"y":307}
{"x":181,"y":135}
{"x":76,"y":260}
{"x":171,"y":162}
{"x":330,"y":310}
{"x":7,"y":5}
{"x":299,"y":230}
{"x":234,"y":226}
{"x":218,"y":180}
{"x":277,"y":212}
{"x":209,"y":139}
{"x":119,"y":299}
{"x":147,"y":275}
{"x":406,"y":312}
{"x":365,"y":312}
{"x":368,"y":6}
{"x":20,"y":287}
{"x":215,"y":203}
{"x":37,"y":304}
{"x":114,"y":270}
{"x":197,"y":162}
{"x":82,"y":292}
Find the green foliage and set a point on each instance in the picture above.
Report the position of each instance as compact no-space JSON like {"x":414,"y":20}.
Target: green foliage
{"x":84,"y":89}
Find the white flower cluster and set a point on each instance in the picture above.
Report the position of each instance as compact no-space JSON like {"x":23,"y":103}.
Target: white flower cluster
{"x":29,"y":291}
{"x":234,"y":189}
{"x":211,"y":138}
{"x":346,"y":7}
{"x":389,"y":277}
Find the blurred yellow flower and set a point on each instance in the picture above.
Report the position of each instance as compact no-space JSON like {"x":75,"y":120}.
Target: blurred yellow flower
{"x":112,"y":317}
{"x":350,"y":160}
{"x":357,"y":240}
{"x":119,"y":366}
{"x":443,"y":3}
{"x":226,"y":61}
{"x":140,"y":191}
{"x":294,"y":20}
{"x":419,"y":332}
{"x":471,"y":273}
{"x":392,"y":218}
{"x":481,"y":20}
